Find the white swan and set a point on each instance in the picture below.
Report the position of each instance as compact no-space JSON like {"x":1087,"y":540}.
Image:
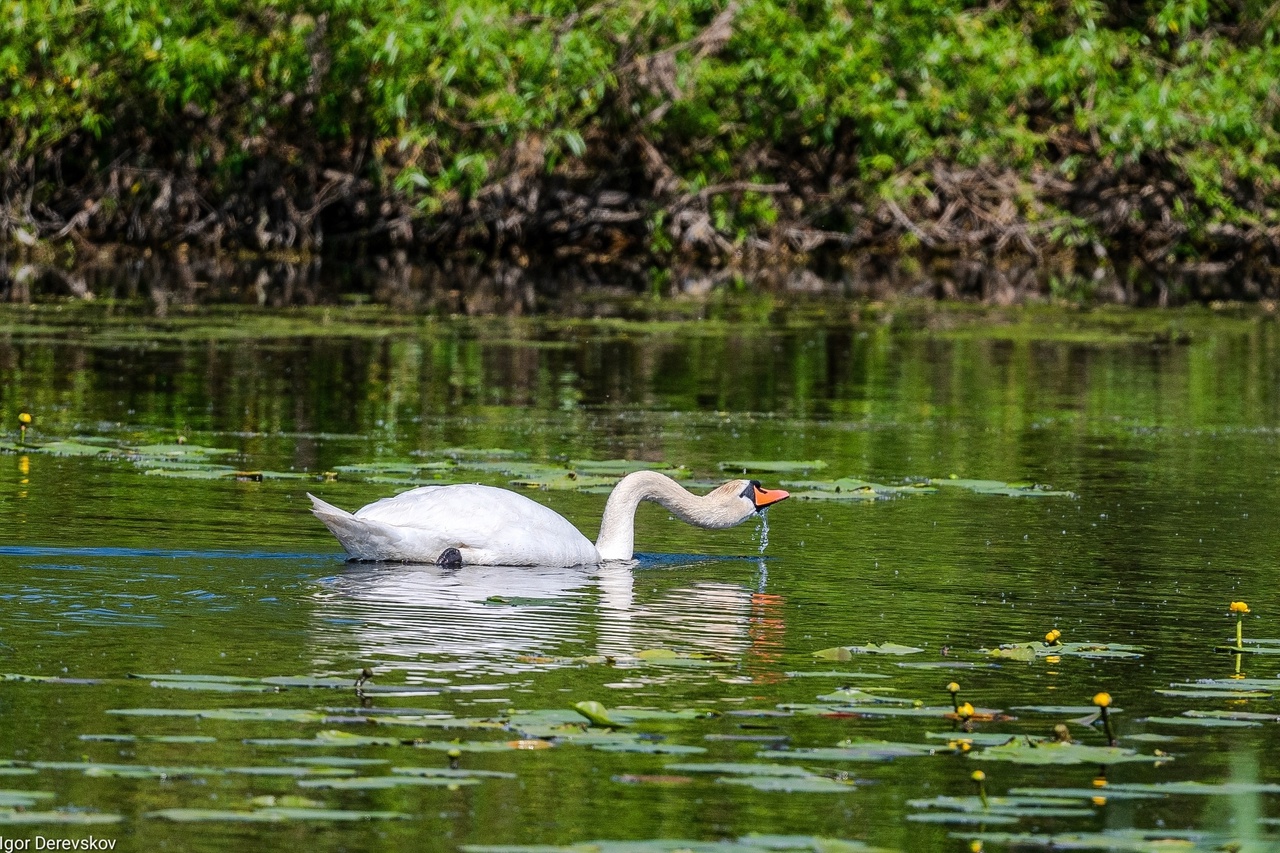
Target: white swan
{"x":495,"y":527}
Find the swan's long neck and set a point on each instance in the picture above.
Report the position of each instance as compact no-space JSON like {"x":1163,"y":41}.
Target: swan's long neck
{"x":618,"y":527}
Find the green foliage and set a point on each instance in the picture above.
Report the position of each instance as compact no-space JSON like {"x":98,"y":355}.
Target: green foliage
{"x":436,"y":101}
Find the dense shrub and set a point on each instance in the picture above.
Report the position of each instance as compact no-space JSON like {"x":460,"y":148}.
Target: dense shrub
{"x":1123,"y":134}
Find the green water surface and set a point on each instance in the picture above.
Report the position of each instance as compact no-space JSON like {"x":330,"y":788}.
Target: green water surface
{"x":197,"y":566}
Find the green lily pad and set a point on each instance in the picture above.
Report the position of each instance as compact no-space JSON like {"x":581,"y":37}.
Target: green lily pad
{"x":667,"y":657}
{"x":1257,"y":716}
{"x":853,"y":751}
{"x":330,"y":738}
{"x":745,"y":768}
{"x":1097,"y":651}
{"x":23,"y":799}
{"x":831,"y":673}
{"x":752,"y":843}
{"x":975,"y":738}
{"x":844,"y":653}
{"x":212,"y":686}
{"x":150,"y":738}
{"x":855,"y":695}
{"x":1084,"y":793}
{"x":378,"y":783}
{"x":964,"y":818}
{"x":1213,"y":694}
{"x":772,"y":466}
{"x":481,"y":745}
{"x":790,"y":784}
{"x":272,"y":815}
{"x":1127,"y":840}
{"x":69,"y":448}
{"x":649,"y":748}
{"x":210,"y":472}
{"x":332,"y":682}
{"x":596,"y":713}
{"x":1206,"y":789}
{"x":336,"y":761}
{"x":617,"y":467}
{"x":10,"y":817}
{"x":177,"y":450}
{"x":1036,"y":751}
{"x":453,"y":773}
{"x":998,"y":487}
{"x":275,"y":715}
{"x":1204,"y":721}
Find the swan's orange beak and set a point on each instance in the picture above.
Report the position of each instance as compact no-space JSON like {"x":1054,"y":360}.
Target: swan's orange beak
{"x":763,"y":497}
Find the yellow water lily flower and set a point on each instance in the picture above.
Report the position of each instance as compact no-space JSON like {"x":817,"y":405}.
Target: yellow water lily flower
{"x":1239,"y":607}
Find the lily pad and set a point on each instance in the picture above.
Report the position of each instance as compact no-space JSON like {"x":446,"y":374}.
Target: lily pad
{"x":790,"y":784}
{"x":1204,"y":721}
{"x":649,"y":748}
{"x":1028,"y":750}
{"x":1127,"y":840}
{"x":844,"y":653}
{"x":597,"y":714}
{"x":452,"y":773}
{"x":999,"y":487}
{"x":272,"y":815}
{"x":746,"y":768}
{"x":1107,"y":791}
{"x":379,"y":783}
{"x":854,"y":751}
{"x":10,"y":817}
{"x":777,"y":466}
{"x":276,"y":715}
{"x":150,"y":738}
{"x":23,"y":799}
{"x":1095,"y":651}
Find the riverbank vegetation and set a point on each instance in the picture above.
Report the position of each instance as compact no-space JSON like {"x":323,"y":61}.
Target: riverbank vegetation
{"x":1126,"y":151}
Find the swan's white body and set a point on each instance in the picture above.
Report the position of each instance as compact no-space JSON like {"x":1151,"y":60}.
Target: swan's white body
{"x":496,"y":527}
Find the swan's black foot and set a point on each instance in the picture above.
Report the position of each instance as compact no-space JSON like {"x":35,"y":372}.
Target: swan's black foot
{"x":450,"y":559}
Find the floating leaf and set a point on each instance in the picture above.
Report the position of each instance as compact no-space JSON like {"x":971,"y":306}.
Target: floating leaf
{"x":1031,"y":651}
{"x":746,"y":768}
{"x":998,"y":487}
{"x":843,"y":653}
{"x":272,"y":815}
{"x":596,"y":713}
{"x":790,"y":784}
{"x":1028,"y":750}
{"x":772,"y":466}
{"x":453,"y":773}
{"x":617,"y":467}
{"x":854,"y":751}
{"x":1129,"y":840}
{"x":1235,"y":715}
{"x":23,"y":799}
{"x":331,"y":737}
{"x":1209,"y":789}
{"x":831,"y":673}
{"x":76,"y":818}
{"x":1107,"y":791}
{"x":649,"y":747}
{"x":1204,"y":721}
{"x":277,"y":715}
{"x":150,"y":738}
{"x":377,"y":783}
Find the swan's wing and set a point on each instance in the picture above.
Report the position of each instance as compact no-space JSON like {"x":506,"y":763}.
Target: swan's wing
{"x":489,"y":526}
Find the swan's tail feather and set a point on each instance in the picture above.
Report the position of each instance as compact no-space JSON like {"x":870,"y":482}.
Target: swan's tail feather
{"x":356,"y":536}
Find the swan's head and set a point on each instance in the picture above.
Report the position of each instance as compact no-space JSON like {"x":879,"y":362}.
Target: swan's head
{"x":742,"y":499}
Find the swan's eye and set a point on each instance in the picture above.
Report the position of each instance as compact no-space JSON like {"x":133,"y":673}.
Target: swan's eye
{"x":750,"y":491}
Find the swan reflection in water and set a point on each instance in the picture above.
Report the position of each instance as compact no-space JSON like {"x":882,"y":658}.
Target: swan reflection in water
{"x":497,"y":619}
